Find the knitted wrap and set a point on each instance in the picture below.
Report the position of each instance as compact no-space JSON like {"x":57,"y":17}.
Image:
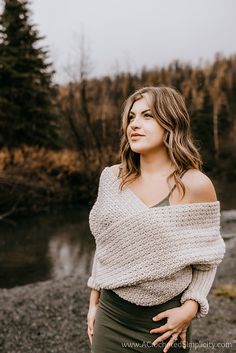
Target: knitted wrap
{"x":146,"y":254}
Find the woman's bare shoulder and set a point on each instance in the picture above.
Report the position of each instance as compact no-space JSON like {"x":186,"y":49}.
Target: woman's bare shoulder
{"x":200,"y":186}
{"x":115,"y":169}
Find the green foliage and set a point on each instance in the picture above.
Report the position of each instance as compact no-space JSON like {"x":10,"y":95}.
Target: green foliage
{"x":28,"y":113}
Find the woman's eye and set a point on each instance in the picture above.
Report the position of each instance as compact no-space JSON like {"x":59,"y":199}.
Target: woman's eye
{"x":130,"y":117}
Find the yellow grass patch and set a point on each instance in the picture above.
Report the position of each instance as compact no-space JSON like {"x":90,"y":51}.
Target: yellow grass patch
{"x":39,"y":158}
{"x":226,"y":290}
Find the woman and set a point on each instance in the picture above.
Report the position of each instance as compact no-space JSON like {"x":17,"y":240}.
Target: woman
{"x":156,"y":224}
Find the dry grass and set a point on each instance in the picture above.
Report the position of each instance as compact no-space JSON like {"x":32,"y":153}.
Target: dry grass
{"x":226,"y":290}
{"x":65,"y":161}
{"x":34,"y":178}
{"x":35,"y":158}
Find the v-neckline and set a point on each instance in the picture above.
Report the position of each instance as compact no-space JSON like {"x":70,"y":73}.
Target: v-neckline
{"x":178,"y":206}
{"x":135,"y":196}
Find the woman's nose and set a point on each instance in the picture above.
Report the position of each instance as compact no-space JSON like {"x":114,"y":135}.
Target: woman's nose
{"x":135,"y":122}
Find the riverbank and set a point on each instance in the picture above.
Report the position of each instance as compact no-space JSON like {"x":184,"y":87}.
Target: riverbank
{"x":50,"y":317}
{"x":34,"y":179}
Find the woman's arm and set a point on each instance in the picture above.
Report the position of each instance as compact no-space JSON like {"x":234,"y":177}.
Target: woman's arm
{"x":91,"y":283}
{"x":199,"y":288}
{"x":94,"y":299}
{"x":179,"y":318}
{"x":91,"y":315}
{"x":201,"y":189}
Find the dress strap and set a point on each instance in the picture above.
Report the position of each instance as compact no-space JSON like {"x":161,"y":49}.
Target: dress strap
{"x":175,"y":184}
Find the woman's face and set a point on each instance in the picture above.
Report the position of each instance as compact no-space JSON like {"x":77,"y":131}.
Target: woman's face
{"x":141,"y":122}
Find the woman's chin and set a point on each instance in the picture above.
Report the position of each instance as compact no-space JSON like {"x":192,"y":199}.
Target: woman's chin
{"x":139,"y":149}
{"x":144,"y":149}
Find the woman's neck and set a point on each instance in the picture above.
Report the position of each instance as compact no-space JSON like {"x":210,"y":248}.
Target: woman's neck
{"x":156,"y":164}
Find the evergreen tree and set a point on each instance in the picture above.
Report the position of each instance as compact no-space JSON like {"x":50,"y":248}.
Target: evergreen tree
{"x":202,"y":127}
{"x":28,"y":112}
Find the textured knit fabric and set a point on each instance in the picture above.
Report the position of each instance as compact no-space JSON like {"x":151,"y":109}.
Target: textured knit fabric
{"x":201,"y":280}
{"x":147,"y":255}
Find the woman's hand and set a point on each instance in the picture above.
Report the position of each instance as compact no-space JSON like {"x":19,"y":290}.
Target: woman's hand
{"x":178,"y":320}
{"x":90,"y":320}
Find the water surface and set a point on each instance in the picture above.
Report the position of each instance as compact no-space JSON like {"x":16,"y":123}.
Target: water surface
{"x":43,"y":246}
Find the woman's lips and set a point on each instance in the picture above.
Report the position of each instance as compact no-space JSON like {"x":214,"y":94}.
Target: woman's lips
{"x":136,"y":136}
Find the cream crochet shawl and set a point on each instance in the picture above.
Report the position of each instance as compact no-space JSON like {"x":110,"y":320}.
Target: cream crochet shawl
{"x":136,"y":244}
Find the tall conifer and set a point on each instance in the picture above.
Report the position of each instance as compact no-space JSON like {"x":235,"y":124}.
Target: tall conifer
{"x":28,"y":113}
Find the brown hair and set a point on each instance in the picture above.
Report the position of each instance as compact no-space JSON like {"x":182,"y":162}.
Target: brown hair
{"x":168,"y":108}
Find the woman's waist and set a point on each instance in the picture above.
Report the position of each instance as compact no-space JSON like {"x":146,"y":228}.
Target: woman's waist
{"x":118,"y":307}
{"x":152,"y":293}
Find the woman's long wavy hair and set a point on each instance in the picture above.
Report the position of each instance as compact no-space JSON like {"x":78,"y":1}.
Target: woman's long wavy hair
{"x":168,"y":108}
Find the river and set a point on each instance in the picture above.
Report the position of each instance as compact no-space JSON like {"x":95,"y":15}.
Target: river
{"x":39,"y":247}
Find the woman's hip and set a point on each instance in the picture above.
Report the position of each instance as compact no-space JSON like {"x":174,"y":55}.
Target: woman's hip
{"x":122,"y":326}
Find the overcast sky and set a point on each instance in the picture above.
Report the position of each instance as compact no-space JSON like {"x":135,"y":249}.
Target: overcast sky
{"x":131,"y":33}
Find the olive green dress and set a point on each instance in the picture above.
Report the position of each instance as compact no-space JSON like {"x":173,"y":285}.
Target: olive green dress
{"x":122,"y":326}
